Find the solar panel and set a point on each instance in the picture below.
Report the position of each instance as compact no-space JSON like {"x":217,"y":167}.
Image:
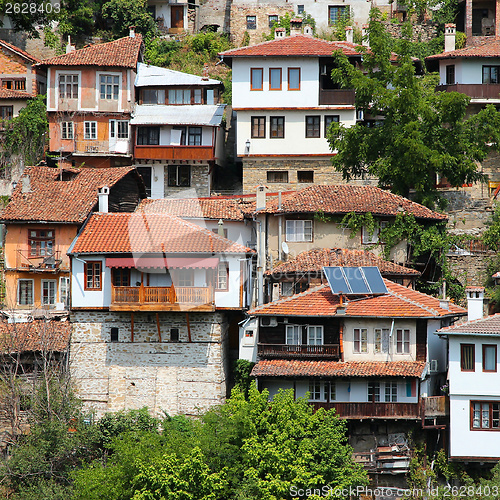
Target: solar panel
{"x":355,"y":280}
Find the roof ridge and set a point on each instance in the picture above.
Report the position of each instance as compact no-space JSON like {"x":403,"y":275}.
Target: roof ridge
{"x":435,"y":312}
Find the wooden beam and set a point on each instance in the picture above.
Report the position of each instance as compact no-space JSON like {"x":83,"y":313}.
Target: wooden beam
{"x":131,"y":327}
{"x":158,"y":326}
{"x":189,"y":327}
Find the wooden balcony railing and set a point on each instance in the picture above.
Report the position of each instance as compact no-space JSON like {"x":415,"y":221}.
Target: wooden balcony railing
{"x":475,"y":91}
{"x":206,"y":153}
{"x":337,"y":96}
{"x":331,"y":351}
{"x":151,"y":298}
{"x":373,"y":410}
{"x":436,"y":406}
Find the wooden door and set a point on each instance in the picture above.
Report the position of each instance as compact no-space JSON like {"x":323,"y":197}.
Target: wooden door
{"x":177,"y":16}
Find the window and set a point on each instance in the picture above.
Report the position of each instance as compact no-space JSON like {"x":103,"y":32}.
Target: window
{"x":145,"y":173}
{"x":258,"y":127}
{"x":185,"y":277}
{"x":93,"y":275}
{"x":467,"y":357}
{"x":64,"y":290}
{"x":293,"y":335}
{"x":275,"y":78}
{"x":314,"y":390}
{"x":148,"y":136}
{"x":293,"y":78}
{"x":374,"y":392}
{"x":118,"y":129}
{"x":336,"y":14}
{"x":179,"y":175}
{"x":114,"y":334}
{"x":194,"y":136}
{"x":305,"y":176}
{"x":153,"y":96}
{"x":222,"y":276}
{"x":273,"y":20}
{"x":41,"y":242}
{"x":14,"y":84}
{"x":277,"y":176}
{"x":174,"y":335}
{"x":256,"y":78}
{"x":312,"y":126}
{"x":315,"y":335}
{"x":329,"y":119}
{"x":368,"y":237}
{"x":48,"y":292}
{"x":300,"y":9}
{"x":67,"y":130}
{"x":6,"y":112}
{"x":197,"y":96}
{"x":90,"y":130}
{"x":391,"y":392}
{"x":216,"y":231}
{"x":179,"y":96}
{"x":109,"y":86}
{"x":491,"y":74}
{"x":381,"y":340}
{"x":450,"y":74}
{"x":277,"y":127}
{"x":403,"y":341}
{"x":68,"y":86}
{"x":251,"y":22}
{"x":489,"y":358}
{"x":121,"y":276}
{"x":299,"y":230}
{"x":360,"y":340}
{"x":287,"y":289}
{"x":25,"y":292}
{"x":320,"y":390}
{"x":485,"y":415}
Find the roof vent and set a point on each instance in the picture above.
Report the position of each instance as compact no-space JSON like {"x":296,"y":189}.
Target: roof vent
{"x":308,"y":30}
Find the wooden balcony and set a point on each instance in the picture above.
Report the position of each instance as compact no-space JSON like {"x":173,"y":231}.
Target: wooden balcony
{"x":337,"y":96}
{"x":50,"y":263}
{"x":101,"y":148}
{"x":205,"y":153}
{"x":325,"y":351}
{"x":153,"y":298}
{"x":474,"y":91}
{"x":408,"y":411}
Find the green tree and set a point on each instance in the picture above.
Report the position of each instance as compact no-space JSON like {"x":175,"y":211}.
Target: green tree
{"x":419,"y":133}
{"x":121,"y":14}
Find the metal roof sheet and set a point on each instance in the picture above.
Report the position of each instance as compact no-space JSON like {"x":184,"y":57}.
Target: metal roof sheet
{"x":160,"y":114}
{"x":155,"y":76}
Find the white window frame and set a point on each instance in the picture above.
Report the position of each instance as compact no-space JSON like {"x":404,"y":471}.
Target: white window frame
{"x":299,"y":230}
{"x":315,"y":333}
{"x":114,"y":129}
{"x":375,"y":386}
{"x":112,"y":84}
{"x":71,"y":85}
{"x":52,"y":297}
{"x":360,"y":336}
{"x":32,"y":286}
{"x":403,"y":338}
{"x":67,"y":130}
{"x":64,"y":284}
{"x":391,"y":391}
{"x":90,"y":131}
{"x":292,"y":333}
{"x":322,"y":390}
{"x":381,"y":340}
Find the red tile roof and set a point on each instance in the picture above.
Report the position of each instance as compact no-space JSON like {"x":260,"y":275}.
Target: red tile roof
{"x":303,"y":368}
{"x":290,"y":46}
{"x":19,"y":51}
{"x":149,"y":233}
{"x":484,"y":326}
{"x":342,"y":199}
{"x":46,"y":198}
{"x":314,"y":260}
{"x":14,"y":94}
{"x":486,"y":49}
{"x":215,"y":208}
{"x":38,"y":335}
{"x":123,"y":53}
{"x":399,"y":302}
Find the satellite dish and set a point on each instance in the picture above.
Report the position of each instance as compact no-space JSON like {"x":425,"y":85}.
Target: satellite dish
{"x":285,"y":248}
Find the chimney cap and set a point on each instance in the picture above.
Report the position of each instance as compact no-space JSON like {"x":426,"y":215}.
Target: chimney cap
{"x":131,"y":31}
{"x":450,"y":25}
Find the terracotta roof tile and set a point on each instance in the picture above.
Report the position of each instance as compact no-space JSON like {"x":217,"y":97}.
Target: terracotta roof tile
{"x":399,"y":302}
{"x":303,"y":368}
{"x":342,"y":199}
{"x":300,"y":45}
{"x":483,"y":326}
{"x":123,"y":53}
{"x":14,"y":94}
{"x":52,"y":200}
{"x":37,"y":335}
{"x":19,"y":51}
{"x":486,"y":49}
{"x":314,"y":260}
{"x":149,"y":233}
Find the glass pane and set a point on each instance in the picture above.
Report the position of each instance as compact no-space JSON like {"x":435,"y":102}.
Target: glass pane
{"x":294,"y":78}
{"x":490,"y":358}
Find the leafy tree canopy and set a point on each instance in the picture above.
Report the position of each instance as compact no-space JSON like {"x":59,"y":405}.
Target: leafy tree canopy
{"x":419,"y":134}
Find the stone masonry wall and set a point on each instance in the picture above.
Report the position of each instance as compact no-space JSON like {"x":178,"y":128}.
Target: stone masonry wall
{"x":199,"y":183}
{"x":421,"y":32}
{"x":470,"y":270}
{"x":255,"y":174}
{"x":174,"y":377}
{"x":215,"y":13}
{"x":262,"y":12}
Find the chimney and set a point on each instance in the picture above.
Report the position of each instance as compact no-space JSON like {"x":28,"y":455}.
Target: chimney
{"x":295,"y":26}
{"x":450,"y":32}
{"x":69,"y":47}
{"x":220,"y":228}
{"x":475,"y":299}
{"x":364,"y":34}
{"x":205,"y":72}
{"x":103,"y":194}
{"x":26,"y":184}
{"x":308,"y":31}
{"x":131,"y":33}
{"x":279,"y":33}
{"x":261,"y":198}
{"x":349,"y":34}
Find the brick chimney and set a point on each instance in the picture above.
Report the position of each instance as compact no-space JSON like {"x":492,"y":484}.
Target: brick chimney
{"x":364,"y":34}
{"x":131,"y":33}
{"x":103,"y":193}
{"x":349,"y":34}
{"x":450,"y":32}
{"x":279,"y":33}
{"x":475,"y":299}
{"x":69,"y":47}
{"x":295,"y":26}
